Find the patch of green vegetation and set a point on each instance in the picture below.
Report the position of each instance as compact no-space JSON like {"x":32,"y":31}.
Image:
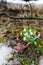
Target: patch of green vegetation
{"x":35,"y":61}
{"x":30,"y":35}
{"x":4,"y":28}
{"x":35,"y":44}
{"x":2,"y":40}
{"x":40,"y":46}
{"x":24,"y":61}
{"x":9,"y":59}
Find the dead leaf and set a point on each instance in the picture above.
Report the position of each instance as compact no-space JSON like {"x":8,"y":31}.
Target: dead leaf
{"x":20,"y":47}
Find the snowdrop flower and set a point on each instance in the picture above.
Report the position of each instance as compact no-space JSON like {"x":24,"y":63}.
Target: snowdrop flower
{"x":21,"y":33}
{"x":24,"y":38}
{"x":24,"y":30}
{"x":29,"y":30}
{"x":34,"y":32}
{"x":31,"y":33}
{"x":26,"y":34}
{"x":39,"y":35}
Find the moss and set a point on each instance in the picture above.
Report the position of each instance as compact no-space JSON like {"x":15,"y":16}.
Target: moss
{"x":9,"y":59}
{"x":24,"y":61}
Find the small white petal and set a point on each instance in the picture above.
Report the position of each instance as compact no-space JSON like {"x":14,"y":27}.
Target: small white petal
{"x":29,"y":30}
{"x":26,"y":34}
{"x":21,"y":33}
{"x":34,"y":32}
{"x":39,"y":35}
{"x":24,"y":30}
{"x":31,"y":33}
{"x":24,"y":38}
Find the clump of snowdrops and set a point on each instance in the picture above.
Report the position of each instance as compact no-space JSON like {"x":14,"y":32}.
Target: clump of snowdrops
{"x":29,"y":35}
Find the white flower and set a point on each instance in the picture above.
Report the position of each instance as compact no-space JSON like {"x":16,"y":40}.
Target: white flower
{"x":26,"y":34}
{"x":29,"y":30}
{"x":24,"y":30}
{"x":34,"y":32}
{"x":24,"y":38}
{"x":21,"y":33}
{"x":31,"y":33}
{"x":39,"y":35}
